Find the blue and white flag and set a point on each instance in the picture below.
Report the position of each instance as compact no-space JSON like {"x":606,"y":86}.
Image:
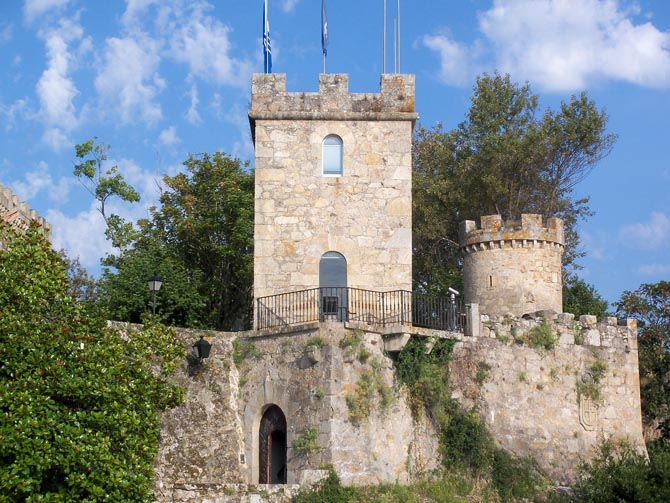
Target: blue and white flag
{"x":267,"y":50}
{"x":324,"y":28}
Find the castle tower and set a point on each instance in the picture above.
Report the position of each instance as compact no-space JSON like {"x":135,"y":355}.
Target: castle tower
{"x":333,"y":185}
{"x":511,"y":267}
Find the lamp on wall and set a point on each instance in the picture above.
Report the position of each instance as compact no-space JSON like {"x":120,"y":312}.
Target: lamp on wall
{"x":155,"y":284}
{"x":202,"y":347}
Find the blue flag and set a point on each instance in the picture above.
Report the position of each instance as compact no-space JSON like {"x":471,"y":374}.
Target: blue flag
{"x":267,"y":50}
{"x":324,"y":28}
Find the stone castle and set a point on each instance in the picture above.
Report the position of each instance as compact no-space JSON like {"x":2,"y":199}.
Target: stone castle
{"x":333,"y":304}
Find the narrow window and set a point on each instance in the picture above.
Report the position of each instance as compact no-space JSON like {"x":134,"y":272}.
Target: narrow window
{"x":332,"y":155}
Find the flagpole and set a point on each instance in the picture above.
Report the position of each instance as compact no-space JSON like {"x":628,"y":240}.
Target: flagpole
{"x":398,"y":36}
{"x":384,"y":42}
{"x":324,"y":33}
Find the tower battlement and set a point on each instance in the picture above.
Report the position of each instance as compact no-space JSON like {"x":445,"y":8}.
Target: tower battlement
{"x":18,"y":214}
{"x":270,"y":100}
{"x":528,"y":232}
{"x":513,"y":267}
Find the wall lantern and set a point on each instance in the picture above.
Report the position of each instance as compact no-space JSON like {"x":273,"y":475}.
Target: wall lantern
{"x":202,"y":347}
{"x":155,"y":284}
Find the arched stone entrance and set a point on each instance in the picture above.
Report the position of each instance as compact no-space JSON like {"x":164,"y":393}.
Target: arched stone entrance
{"x":272,"y":447}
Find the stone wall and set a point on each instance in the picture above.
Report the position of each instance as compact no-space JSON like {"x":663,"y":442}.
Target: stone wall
{"x":18,"y":214}
{"x":535,"y":383}
{"x":536,"y":400}
{"x":300,"y":214}
{"x":513,"y":267}
{"x":210,"y":444}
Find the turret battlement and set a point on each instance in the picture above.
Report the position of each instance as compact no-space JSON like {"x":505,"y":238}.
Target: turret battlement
{"x":495,"y":232}
{"x":18,"y":214}
{"x":270,"y":100}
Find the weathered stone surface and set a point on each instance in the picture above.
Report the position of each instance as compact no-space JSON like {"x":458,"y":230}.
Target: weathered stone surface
{"x":17,"y":213}
{"x":513,"y":267}
{"x":300,"y":214}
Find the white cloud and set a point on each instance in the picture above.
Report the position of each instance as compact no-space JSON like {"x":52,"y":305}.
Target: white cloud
{"x":55,"y":89}
{"x":289,"y":5}
{"x":561,"y":45}
{"x":168,"y":137}
{"x":192,"y":115}
{"x":203,"y":44}
{"x":18,"y":108}
{"x":82,"y":235}
{"x":655,"y":270}
{"x":35,"y":8}
{"x":457,"y":62}
{"x":40,"y":181}
{"x":651,"y":235}
{"x":565,"y":44}
{"x":128,"y":81}
{"x":6,"y":31}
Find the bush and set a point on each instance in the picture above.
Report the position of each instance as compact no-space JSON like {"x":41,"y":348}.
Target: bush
{"x":620,"y":473}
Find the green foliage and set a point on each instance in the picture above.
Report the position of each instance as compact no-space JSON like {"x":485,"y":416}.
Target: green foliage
{"x":589,"y":384}
{"x":507,"y":157}
{"x":370,"y":388}
{"x":328,"y":490}
{"x":200,"y":241}
{"x":650,"y":305}
{"x":483,"y":370}
{"x":541,"y":337}
{"x":317,"y":341}
{"x":620,"y":473}
{"x":79,"y":402}
{"x":102,"y":183}
{"x":581,"y":298}
{"x":243,"y":349}
{"x":307,"y":443}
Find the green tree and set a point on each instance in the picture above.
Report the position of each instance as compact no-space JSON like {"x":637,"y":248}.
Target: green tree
{"x":102,"y":183}
{"x":506,"y":158}
{"x":650,"y":305}
{"x":79,"y":402}
{"x":579,"y":298}
{"x":200,"y":241}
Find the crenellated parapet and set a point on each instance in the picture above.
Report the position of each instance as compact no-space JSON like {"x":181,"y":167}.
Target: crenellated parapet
{"x":270,"y":100}
{"x":18,"y":214}
{"x":496,"y":233}
{"x":513,"y":267}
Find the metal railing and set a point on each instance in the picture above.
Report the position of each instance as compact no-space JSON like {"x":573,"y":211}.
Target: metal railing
{"x":396,"y":307}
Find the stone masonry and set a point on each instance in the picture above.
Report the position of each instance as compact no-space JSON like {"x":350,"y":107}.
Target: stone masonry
{"x":537,"y":401}
{"x":300,"y":214}
{"x":513,"y":267}
{"x":18,"y":214}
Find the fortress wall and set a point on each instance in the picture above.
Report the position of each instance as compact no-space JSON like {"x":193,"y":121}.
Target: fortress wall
{"x":530,"y":398}
{"x":18,"y":214}
{"x":533,"y":400}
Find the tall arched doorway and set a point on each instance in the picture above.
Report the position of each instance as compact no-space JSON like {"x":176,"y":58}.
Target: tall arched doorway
{"x":272,"y":447}
{"x":333,"y":286}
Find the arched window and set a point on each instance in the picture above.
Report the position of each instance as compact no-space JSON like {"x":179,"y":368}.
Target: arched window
{"x":272,"y":447}
{"x":332,"y":155}
{"x":333,"y":286}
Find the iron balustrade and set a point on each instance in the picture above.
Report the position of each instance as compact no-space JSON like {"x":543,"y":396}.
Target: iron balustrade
{"x":395,"y":307}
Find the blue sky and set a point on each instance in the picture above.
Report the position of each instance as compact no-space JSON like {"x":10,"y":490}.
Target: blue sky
{"x":158,"y":80}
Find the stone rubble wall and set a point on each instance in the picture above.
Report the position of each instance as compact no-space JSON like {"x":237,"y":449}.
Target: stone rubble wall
{"x":513,"y":267}
{"x":529,"y":397}
{"x":18,"y":214}
{"x":300,"y":214}
{"x":210,"y":445}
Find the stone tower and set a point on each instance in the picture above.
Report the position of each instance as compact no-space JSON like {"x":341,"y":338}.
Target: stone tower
{"x":513,"y":267}
{"x":333,"y":181}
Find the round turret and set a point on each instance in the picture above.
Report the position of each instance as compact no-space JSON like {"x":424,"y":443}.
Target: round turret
{"x":513,"y":267}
